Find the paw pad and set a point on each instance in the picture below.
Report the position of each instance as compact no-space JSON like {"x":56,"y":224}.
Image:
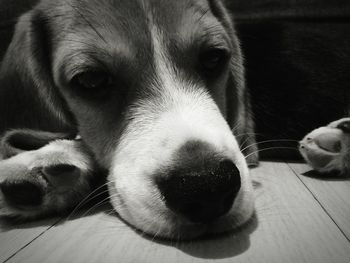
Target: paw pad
{"x":22,"y":193}
{"x":329,"y":142}
{"x":61,"y":175}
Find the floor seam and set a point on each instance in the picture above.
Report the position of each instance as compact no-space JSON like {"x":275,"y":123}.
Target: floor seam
{"x":30,"y":242}
{"x":318,"y":201}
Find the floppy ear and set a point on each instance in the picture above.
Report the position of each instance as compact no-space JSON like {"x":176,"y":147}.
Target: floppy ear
{"x":28,"y":96}
{"x":240,"y":118}
{"x":239,"y":112}
{"x":239,"y":115}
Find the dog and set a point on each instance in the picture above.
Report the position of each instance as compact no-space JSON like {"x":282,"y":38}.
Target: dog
{"x":152,"y":92}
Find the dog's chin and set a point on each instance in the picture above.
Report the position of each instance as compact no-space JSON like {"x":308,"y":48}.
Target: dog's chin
{"x":153,"y":219}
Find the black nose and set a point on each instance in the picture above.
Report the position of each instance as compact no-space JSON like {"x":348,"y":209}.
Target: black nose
{"x":202,"y":191}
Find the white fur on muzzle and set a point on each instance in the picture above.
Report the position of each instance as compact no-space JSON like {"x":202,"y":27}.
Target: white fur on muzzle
{"x":150,"y":142}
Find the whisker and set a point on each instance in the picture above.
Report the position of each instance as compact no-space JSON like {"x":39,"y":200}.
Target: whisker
{"x":113,"y":211}
{"x":157,"y":233}
{"x":258,"y":143}
{"x":104,"y":201}
{"x":89,"y":197}
{"x":234,"y":128}
{"x":241,"y":145}
{"x":270,"y":148}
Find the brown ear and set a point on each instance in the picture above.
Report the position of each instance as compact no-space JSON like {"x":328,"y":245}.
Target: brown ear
{"x":239,"y":114}
{"x":241,"y":121}
{"x":28,"y":96}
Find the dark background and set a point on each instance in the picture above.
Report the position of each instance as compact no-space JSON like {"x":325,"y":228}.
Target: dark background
{"x":297,"y":65}
{"x":297,"y":58}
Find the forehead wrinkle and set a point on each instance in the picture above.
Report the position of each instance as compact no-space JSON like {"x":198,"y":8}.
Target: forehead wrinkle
{"x":112,"y":23}
{"x":101,"y":11}
{"x":80,"y":42}
{"x":200,"y":24}
{"x":206,"y":31}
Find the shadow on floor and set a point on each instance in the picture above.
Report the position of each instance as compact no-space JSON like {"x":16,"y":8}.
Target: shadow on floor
{"x":210,"y":247}
{"x":219,"y":246}
{"x":223,"y":246}
{"x":93,"y":204}
{"x":330,"y":176}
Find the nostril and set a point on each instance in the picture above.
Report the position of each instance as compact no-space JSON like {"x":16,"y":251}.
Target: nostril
{"x":192,"y":208}
{"x":228,"y":169}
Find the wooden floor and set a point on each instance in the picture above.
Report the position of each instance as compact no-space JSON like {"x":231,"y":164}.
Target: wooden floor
{"x":299,"y":218}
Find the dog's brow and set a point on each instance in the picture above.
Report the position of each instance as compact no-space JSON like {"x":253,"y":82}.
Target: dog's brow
{"x":202,"y":11}
{"x":89,"y":24}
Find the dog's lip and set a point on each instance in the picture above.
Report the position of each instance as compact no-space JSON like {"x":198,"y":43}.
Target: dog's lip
{"x":185,"y":230}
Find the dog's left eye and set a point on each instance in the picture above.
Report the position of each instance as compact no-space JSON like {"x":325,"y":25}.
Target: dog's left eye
{"x":92,"y":81}
{"x":213,"y":59}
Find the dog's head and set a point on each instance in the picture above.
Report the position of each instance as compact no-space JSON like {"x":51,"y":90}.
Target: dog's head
{"x":155,"y":89}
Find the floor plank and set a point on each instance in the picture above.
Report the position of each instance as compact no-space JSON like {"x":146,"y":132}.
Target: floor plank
{"x":332,"y":192}
{"x":290,"y":226}
{"x":14,"y":238}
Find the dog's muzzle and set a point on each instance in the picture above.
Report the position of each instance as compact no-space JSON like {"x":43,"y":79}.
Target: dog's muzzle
{"x":178,"y":172}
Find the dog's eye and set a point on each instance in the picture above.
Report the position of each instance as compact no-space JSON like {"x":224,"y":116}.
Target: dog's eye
{"x":92,"y":81}
{"x":213,"y":59}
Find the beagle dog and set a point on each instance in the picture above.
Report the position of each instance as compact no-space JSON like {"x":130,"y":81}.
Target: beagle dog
{"x":149,"y":92}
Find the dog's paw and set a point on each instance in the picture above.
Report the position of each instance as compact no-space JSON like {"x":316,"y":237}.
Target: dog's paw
{"x":17,"y":141}
{"x":51,"y":179}
{"x":327,"y":148}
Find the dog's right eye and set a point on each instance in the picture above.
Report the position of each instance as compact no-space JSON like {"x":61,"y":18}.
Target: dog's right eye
{"x":213,"y":60}
{"x":92,"y":81}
